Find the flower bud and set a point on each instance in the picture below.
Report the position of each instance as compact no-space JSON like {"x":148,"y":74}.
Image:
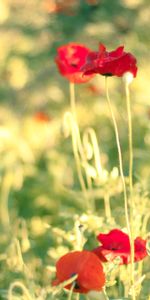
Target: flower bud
{"x":127,"y":77}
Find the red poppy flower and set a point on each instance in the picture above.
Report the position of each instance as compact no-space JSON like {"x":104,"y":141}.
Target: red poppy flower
{"x":60,"y":6}
{"x":114,"y":63}
{"x":70,"y":59}
{"x":86,"y":265}
{"x":41,"y":117}
{"x":116,"y":244}
{"x":94,"y":89}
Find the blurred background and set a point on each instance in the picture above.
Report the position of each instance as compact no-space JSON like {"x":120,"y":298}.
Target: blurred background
{"x":40,"y":195}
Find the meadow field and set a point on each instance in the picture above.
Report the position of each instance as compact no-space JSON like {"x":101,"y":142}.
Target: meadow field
{"x":62,"y":182}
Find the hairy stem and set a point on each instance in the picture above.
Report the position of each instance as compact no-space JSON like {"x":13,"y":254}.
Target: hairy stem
{"x":107,"y":206}
{"x":119,"y":156}
{"x":81,"y":159}
{"x":70,"y":123}
{"x":130,"y":141}
{"x":71,"y":291}
{"x":18,"y":284}
{"x":72,"y":99}
{"x":90,"y":134}
{"x":5,"y":190}
{"x":129,"y":138}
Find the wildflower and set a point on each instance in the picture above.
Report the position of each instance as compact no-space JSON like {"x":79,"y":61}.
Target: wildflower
{"x":114,"y":63}
{"x":94,"y":89}
{"x":88,"y":268}
{"x":70,"y":59}
{"x":59,"y":6}
{"x":41,"y":117}
{"x":116,"y":244}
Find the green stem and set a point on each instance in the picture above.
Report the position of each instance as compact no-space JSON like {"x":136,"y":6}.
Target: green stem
{"x":72,"y":99}
{"x":71,"y":123}
{"x":107,"y":206}
{"x":57,"y":289}
{"x":80,"y":149}
{"x":105,"y":295}
{"x":18,"y":284}
{"x":73,"y":111}
{"x":71,"y":291}
{"x":130,"y":141}
{"x":119,"y":156}
{"x":130,"y":138}
{"x":78,"y":296}
{"x":129,"y":223}
{"x":5,"y":190}
{"x":89,"y":184}
{"x":90,"y":134}
{"x":145,"y":222}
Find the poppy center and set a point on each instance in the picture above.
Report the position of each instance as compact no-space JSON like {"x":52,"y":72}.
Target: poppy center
{"x":115,"y":246}
{"x":76,"y":286}
{"x":108,"y":74}
{"x":74,"y":65}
